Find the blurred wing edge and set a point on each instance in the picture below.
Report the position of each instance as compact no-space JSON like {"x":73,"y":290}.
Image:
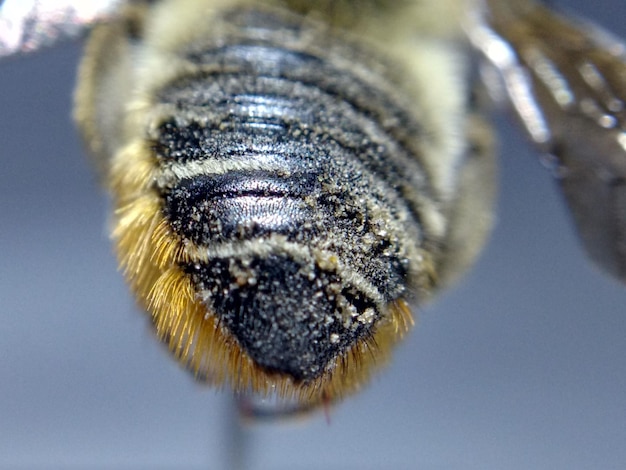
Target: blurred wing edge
{"x":566,"y":81}
{"x":30,"y":25}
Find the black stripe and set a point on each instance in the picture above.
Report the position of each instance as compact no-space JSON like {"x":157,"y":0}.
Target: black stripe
{"x":240,"y":205}
{"x":240,"y":116}
{"x":234,"y":65}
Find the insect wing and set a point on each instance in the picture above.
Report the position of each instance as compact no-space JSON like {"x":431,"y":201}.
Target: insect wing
{"x":29,"y":25}
{"x":566,"y":81}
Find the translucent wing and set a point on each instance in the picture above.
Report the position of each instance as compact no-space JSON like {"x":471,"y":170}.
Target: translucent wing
{"x":29,"y":25}
{"x":567,"y":82}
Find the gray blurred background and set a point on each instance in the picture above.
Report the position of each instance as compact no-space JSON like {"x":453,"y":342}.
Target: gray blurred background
{"x":521,"y":366}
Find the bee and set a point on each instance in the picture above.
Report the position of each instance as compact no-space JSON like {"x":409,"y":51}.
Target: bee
{"x":275,"y":210}
{"x":289,"y":176}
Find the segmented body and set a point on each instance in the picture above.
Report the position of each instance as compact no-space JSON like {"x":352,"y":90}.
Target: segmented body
{"x":277,"y":199}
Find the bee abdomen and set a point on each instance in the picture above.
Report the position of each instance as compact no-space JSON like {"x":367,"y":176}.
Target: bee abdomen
{"x":296,"y":188}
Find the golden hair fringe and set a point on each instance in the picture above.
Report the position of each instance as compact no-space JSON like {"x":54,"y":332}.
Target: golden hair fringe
{"x":151,"y":255}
